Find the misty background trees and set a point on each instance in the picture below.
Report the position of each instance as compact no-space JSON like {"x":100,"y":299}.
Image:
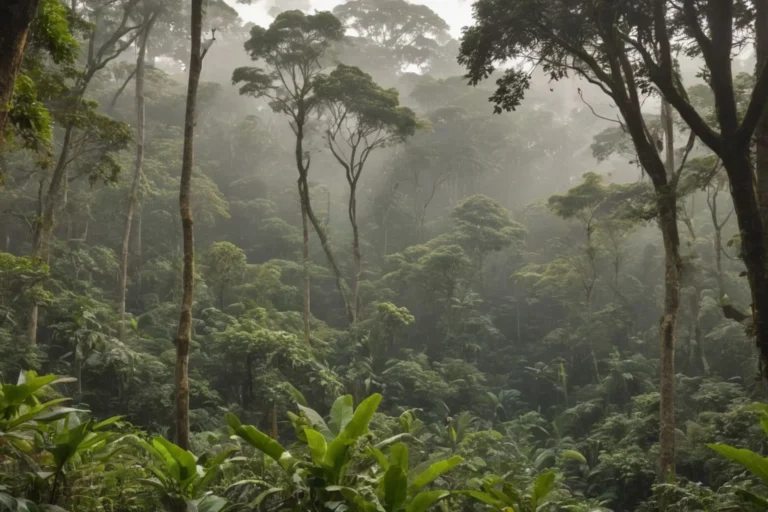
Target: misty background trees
{"x":354,"y":258}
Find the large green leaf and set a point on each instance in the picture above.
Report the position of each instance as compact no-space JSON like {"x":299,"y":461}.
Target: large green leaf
{"x":358,"y":424}
{"x":574,"y":455}
{"x":182,"y":465}
{"x":434,"y":471}
{"x":335,"y":456}
{"x":341,"y":413}
{"x":265,"y":444}
{"x":317,"y":421}
{"x":747,"y":458}
{"x":317,"y":445}
{"x":398,"y":456}
{"x":210,"y":503}
{"x":542,"y":486}
{"x":424,"y":500}
{"x":395,"y":488}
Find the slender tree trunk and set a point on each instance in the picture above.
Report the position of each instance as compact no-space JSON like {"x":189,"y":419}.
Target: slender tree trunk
{"x":667,"y":205}
{"x":357,"y":257}
{"x":133,"y":197}
{"x":668,"y":330}
{"x":184,"y":334}
{"x":15,"y":18}
{"x":326,"y":244}
{"x":307,"y":269}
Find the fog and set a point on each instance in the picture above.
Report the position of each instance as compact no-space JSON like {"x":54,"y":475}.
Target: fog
{"x":512,"y":251}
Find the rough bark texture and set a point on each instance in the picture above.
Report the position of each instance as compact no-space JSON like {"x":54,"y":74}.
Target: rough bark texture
{"x":133,"y":197}
{"x":184,"y":333}
{"x":307,"y":270}
{"x":15,"y":18}
{"x":668,"y":329}
{"x":761,"y":133}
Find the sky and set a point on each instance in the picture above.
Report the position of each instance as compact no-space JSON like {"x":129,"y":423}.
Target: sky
{"x":457,"y":13}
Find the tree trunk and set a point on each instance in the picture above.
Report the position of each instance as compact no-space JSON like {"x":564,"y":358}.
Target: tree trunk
{"x":184,"y":333}
{"x":668,"y":329}
{"x":761,"y":132}
{"x":358,"y":260}
{"x":307,"y":270}
{"x":753,"y":238}
{"x":667,"y":205}
{"x":15,"y":18}
{"x":133,"y":197}
{"x":325,"y":243}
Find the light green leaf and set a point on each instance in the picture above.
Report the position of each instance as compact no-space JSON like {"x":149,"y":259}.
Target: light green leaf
{"x":317,"y":445}
{"x":395,"y":487}
{"x":747,"y":458}
{"x":424,"y":500}
{"x":341,"y":414}
{"x":574,"y":455}
{"x":434,"y":471}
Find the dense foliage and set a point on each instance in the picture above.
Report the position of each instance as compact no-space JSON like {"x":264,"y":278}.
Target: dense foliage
{"x":443,"y":309}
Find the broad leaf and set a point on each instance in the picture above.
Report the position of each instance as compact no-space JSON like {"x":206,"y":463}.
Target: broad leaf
{"x":317,"y":445}
{"x":395,"y":488}
{"x":749,"y":459}
{"x":341,"y":414}
{"x":434,"y":471}
{"x":424,"y":500}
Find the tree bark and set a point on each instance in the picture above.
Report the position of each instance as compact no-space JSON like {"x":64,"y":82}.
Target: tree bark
{"x":305,"y":314}
{"x":761,"y":133}
{"x":326,"y":244}
{"x":668,"y":330}
{"x":133,"y":197}
{"x":357,"y":257}
{"x":184,"y":333}
{"x":15,"y":19}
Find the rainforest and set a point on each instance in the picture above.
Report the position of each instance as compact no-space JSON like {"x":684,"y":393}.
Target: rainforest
{"x":383,"y":255}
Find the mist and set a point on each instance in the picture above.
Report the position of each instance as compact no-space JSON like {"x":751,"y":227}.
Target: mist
{"x":383,"y":255}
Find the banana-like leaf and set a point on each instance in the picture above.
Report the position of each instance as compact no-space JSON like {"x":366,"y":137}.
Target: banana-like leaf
{"x":317,"y":445}
{"x":210,"y":503}
{"x":398,"y":456}
{"x":262,"y":442}
{"x":434,"y":471}
{"x":747,"y":458}
{"x":317,"y":421}
{"x":341,"y":413}
{"x":396,"y":439}
{"x":335,"y":456}
{"x":395,"y":488}
{"x":574,"y":455}
{"x":181,"y":464}
{"x":424,"y":500}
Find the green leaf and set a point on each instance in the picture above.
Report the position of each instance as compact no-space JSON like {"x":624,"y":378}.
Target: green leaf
{"x":317,"y":445}
{"x":484,"y":497}
{"x":211,"y":503}
{"x":266,"y":445}
{"x":747,"y":458}
{"x":574,"y":455}
{"x":424,"y":500}
{"x":341,"y":414}
{"x":317,"y":421}
{"x":395,"y":487}
{"x":753,"y":498}
{"x":182,"y":465}
{"x":542,"y":486}
{"x":358,"y":424}
{"x":434,"y":471}
{"x":398,"y":456}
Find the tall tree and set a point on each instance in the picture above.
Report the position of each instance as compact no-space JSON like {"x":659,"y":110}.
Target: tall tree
{"x":581,"y":37}
{"x":15,"y":19}
{"x":711,"y":30}
{"x":362,"y":117}
{"x":133,"y":196}
{"x":97,"y":134}
{"x":394,"y":34}
{"x":293,"y":47}
{"x":184,"y":333}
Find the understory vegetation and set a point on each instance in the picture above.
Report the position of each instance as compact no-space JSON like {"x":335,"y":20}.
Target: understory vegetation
{"x":282,"y":259}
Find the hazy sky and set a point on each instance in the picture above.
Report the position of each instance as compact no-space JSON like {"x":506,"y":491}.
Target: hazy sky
{"x":458,"y":13}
